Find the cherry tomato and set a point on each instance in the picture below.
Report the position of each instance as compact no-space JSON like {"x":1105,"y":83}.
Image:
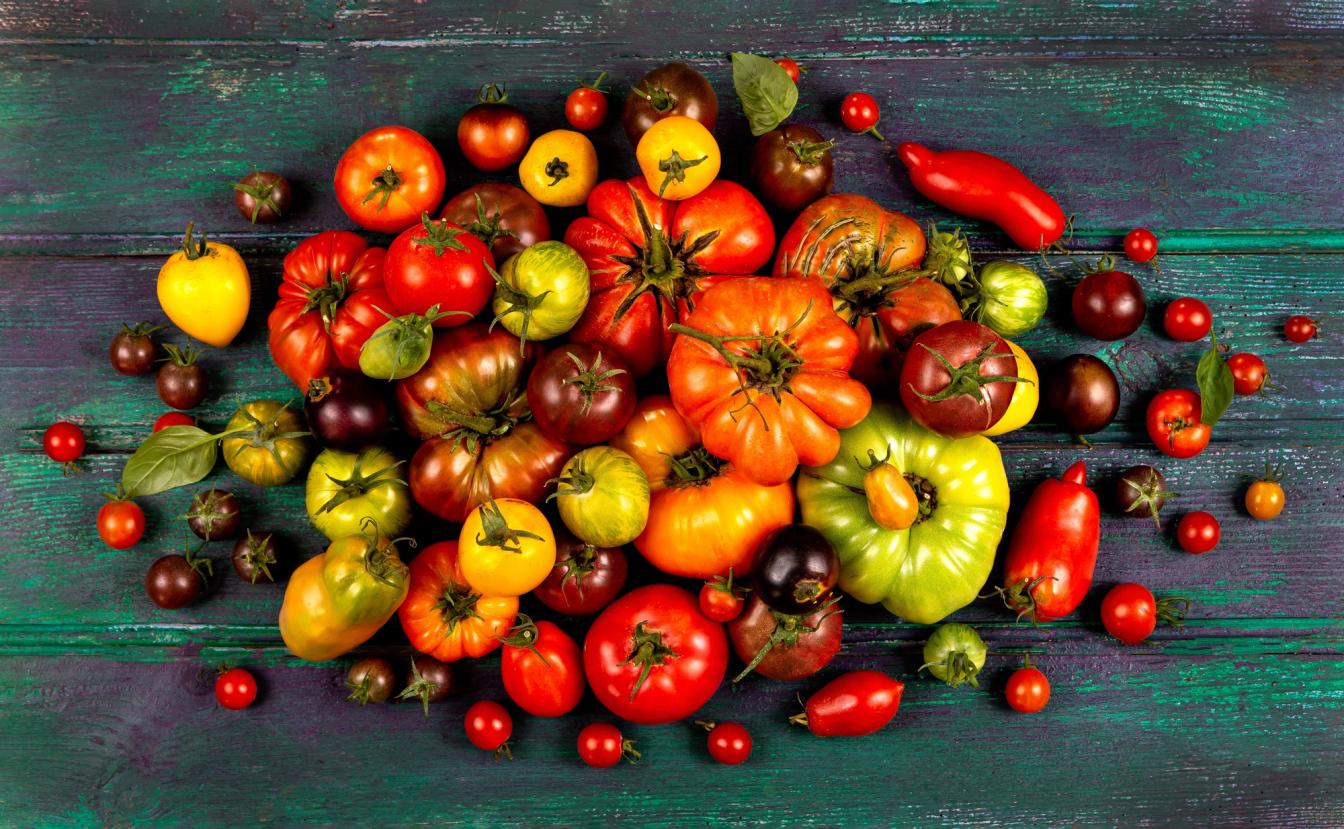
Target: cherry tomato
{"x":790,"y":66}
{"x":1299,"y":328}
{"x":121,"y":522}
{"x":859,"y":113}
{"x":586,"y":105}
{"x":63,"y":442}
{"x":173,"y":419}
{"x":1248,"y":372}
{"x":585,"y":578}
{"x":1187,"y":319}
{"x":489,"y":727}
{"x":1130,"y":613}
{"x":729,"y":743}
{"x":1174,"y":424}
{"x":1264,"y":498}
{"x":602,"y":746}
{"x":1140,"y":245}
{"x":1108,"y":304}
{"x":493,"y":134}
{"x":236,"y":688}
{"x":720,"y":599}
{"x":1028,"y":690}
{"x":1198,"y":532}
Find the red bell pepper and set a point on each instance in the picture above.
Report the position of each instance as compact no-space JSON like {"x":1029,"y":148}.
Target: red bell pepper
{"x":1054,"y":548}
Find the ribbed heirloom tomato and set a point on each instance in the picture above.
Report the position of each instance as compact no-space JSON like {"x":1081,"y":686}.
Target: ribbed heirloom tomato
{"x":388,"y":178}
{"x":443,"y":616}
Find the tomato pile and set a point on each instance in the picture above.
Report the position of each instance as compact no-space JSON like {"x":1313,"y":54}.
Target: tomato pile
{"x":778,"y":442}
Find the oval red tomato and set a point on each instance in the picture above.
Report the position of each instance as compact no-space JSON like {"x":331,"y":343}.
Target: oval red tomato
{"x":542,"y":668}
{"x":437,"y":264}
{"x":121,"y":523}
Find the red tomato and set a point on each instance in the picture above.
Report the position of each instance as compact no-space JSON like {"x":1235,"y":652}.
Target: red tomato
{"x":652,"y":657}
{"x":121,"y":523}
{"x":493,"y":134}
{"x":1198,"y":532}
{"x":236,"y":688}
{"x":1053,"y":551}
{"x":580,"y":395}
{"x":859,"y":113}
{"x":438,"y":264}
{"x":1028,"y":690}
{"x":1248,"y":372}
{"x":648,"y":258}
{"x":602,"y":746}
{"x":720,"y":599}
{"x":1131,"y":613}
{"x":1140,"y":245}
{"x":1299,"y":328}
{"x":586,"y":105}
{"x":729,"y":743}
{"x":541,"y":668}
{"x":489,"y":727}
{"x":173,"y":419}
{"x":1174,"y":424}
{"x":388,"y":178}
{"x":1187,"y":319}
{"x":852,"y":705}
{"x":790,"y":66}
{"x":63,"y":442}
{"x":329,"y":305}
{"x":956,"y":378}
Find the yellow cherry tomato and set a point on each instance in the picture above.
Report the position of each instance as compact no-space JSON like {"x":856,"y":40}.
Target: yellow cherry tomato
{"x":205,"y":291}
{"x":506,"y":548}
{"x":679,"y":157}
{"x":560,"y":168}
{"x":891,"y":500}
{"x":1025,"y":398}
{"x":1264,"y":498}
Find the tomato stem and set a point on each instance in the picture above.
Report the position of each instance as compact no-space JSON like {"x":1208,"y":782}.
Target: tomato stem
{"x":675,"y":167}
{"x":694,"y":467}
{"x":809,"y":152}
{"x":359,"y":484}
{"x":493,"y":93}
{"x":660,"y":100}
{"x":496,"y":532}
{"x":440,"y":235}
{"x":524,"y":634}
{"x":384,"y":185}
{"x":191,"y":249}
{"x":418,"y":688}
{"x":487,"y":228}
{"x":966,"y":378}
{"x":590,"y":380}
{"x":263,"y":195}
{"x":789,"y":628}
{"x":648,"y":650}
{"x":557,"y":170}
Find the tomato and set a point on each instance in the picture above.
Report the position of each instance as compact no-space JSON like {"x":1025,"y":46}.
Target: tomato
{"x":438,"y":265}
{"x":602,"y":746}
{"x":502,"y":216}
{"x":1174,"y":425}
{"x":347,"y":489}
{"x":720,"y":599}
{"x":796,"y":570}
{"x":586,"y":105}
{"x":1006,"y":296}
{"x":652,"y":657}
{"x":679,"y":157}
{"x":939,"y":564}
{"x":729,"y":743}
{"x":1187,"y":319}
{"x":542,"y":668}
{"x":1141,"y":492}
{"x":370,"y":680}
{"x":892,"y":501}
{"x":263,"y":196}
{"x":1140,"y":245}
{"x":761,"y":368}
{"x":602,"y":495}
{"x":1108,"y":304}
{"x":489,"y":727}
{"x":1264,"y":497}
{"x":214,"y":515}
{"x":580,"y":395}
{"x":1299,"y":328}
{"x":63,"y":442}
{"x":671,"y":89}
{"x":790,"y":66}
{"x":133,"y":350}
{"x":859,"y":113}
{"x":785,"y":646}
{"x":649,"y":258}
{"x":1249,"y":373}
{"x":955,"y":653}
{"x":235,"y":688}
{"x":507,"y":547}
{"x":121,"y":522}
{"x":262,"y":557}
{"x":1198,"y":532}
{"x":792,"y":166}
{"x":560,"y":168}
{"x":1053,"y":552}
{"x":181,"y":381}
{"x":468,"y":405}
{"x":1026,"y":396}
{"x":493,"y":134}
{"x":175,"y":581}
{"x":852,"y":705}
{"x":541,"y":292}
{"x":958,"y":379}
{"x":1082,"y":393}
{"x":585,"y":578}
{"x":272,"y":445}
{"x":1130,"y":613}
{"x":949,"y":257}
{"x":205,"y":290}
{"x":167,"y":419}
{"x":1028,"y":689}
{"x":346,"y":410}
{"x":331,"y":301}
{"x":443,"y":616}
{"x":388,"y":178}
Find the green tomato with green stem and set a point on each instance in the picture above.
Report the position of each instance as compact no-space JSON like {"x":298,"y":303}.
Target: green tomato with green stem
{"x":541,"y":292}
{"x":955,"y":653}
{"x":1006,"y":296}
{"x":400,"y":346}
{"x":602,"y":495}
{"x":345,"y":490}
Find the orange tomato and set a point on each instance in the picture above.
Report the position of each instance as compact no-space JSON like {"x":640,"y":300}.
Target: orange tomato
{"x":443,"y":616}
{"x":891,"y":499}
{"x":1264,"y":498}
{"x":388,"y":178}
{"x":654,"y":435}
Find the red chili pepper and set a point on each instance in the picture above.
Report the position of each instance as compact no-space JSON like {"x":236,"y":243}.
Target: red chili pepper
{"x":1054,"y":548}
{"x":852,"y":705}
{"x":983,"y":186}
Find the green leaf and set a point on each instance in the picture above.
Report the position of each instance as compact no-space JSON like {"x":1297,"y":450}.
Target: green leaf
{"x":1216,"y":385}
{"x":173,"y":457}
{"x":767,"y":93}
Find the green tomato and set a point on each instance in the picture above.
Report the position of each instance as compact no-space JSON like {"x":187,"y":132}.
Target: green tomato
{"x":399,"y":347}
{"x":955,"y":653}
{"x":939,"y":563}
{"x":1008,"y":297}
{"x":603,"y":497}
{"x":271,"y":445}
{"x":948,"y":255}
{"x":541,"y":292}
{"x":346,"y":490}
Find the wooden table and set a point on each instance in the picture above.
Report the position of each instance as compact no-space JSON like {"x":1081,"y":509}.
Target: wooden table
{"x":1218,"y":123}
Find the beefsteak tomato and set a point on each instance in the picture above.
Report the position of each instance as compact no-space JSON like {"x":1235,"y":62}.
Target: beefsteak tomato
{"x":443,"y":616}
{"x":388,"y":177}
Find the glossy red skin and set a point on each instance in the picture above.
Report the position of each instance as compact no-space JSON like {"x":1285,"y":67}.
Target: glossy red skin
{"x":601,"y":745}
{"x":585,"y":595}
{"x":63,"y":442}
{"x":1108,"y":305}
{"x":236,"y":689}
{"x":173,"y":419}
{"x":1129,"y":613}
{"x":302,"y":343}
{"x":1173,"y":423}
{"x":859,"y":111}
{"x":121,"y":524}
{"x":545,"y":680}
{"x":415,"y":161}
{"x":983,"y":186}
{"x":1028,"y":690}
{"x":1248,"y":372}
{"x":959,"y":343}
{"x":520,"y":215}
{"x":458,"y":280}
{"x":1187,"y":319}
{"x":729,"y":743}
{"x":585,"y":108}
{"x":790,"y":66}
{"x":1140,"y":245}
{"x":692,"y":97}
{"x":854,"y":704}
{"x":1056,"y":540}
{"x":812,"y":652}
{"x":719,"y":604}
{"x":558,"y":406}
{"x":744,"y":243}
{"x":493,"y":136}
{"x":1198,"y":532}
{"x":913,"y":309}
{"x":672,"y":690}
{"x":1299,"y":328}
{"x":488,"y":725}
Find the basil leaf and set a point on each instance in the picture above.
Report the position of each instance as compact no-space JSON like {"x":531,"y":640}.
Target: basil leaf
{"x":173,"y":457}
{"x":1216,"y":385}
{"x":767,"y":93}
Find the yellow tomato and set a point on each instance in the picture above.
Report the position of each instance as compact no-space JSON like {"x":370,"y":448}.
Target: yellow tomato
{"x":1026,"y":396}
{"x":506,"y":548}
{"x":560,"y":168}
{"x":204,"y":290}
{"x":679,"y":157}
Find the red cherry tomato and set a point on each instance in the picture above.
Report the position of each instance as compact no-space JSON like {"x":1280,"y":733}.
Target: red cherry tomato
{"x":790,"y":66}
{"x":63,"y":442}
{"x":236,"y":688}
{"x":1140,"y":245}
{"x":602,"y":746}
{"x":173,"y":419}
{"x":1299,"y":328}
{"x":1131,"y":613}
{"x":121,"y":523}
{"x":586,"y":105}
{"x":1248,"y":372}
{"x":720,"y":599}
{"x":489,"y":727}
{"x":852,"y":705}
{"x":1198,"y":532}
{"x":859,"y":113}
{"x":1028,"y":690}
{"x":1174,"y":425}
{"x":729,"y":742}
{"x":1187,"y":319}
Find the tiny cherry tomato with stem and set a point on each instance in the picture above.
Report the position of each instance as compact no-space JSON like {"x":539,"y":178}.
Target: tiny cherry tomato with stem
{"x":1249,"y":373}
{"x":235,"y":688}
{"x":1130,"y":613}
{"x":133,"y":350}
{"x":1028,"y":689}
{"x":489,"y":727}
{"x":1198,"y":532}
{"x":586,"y":105}
{"x":181,"y":382}
{"x":585,"y":578}
{"x":1264,"y":497}
{"x":370,"y":680}
{"x":64,"y":443}
{"x":176,"y":580}
{"x":121,"y":522}
{"x":262,"y":557}
{"x":173,"y":419}
{"x":790,"y":66}
{"x":1108,"y":304}
{"x":721,"y":599}
{"x":729,"y":743}
{"x":1140,"y":245}
{"x":602,"y":746}
{"x":1141,"y":491}
{"x":859,"y":113}
{"x":1299,"y":328}
{"x":429,"y":680}
{"x":263,"y":197}
{"x":214,"y":515}
{"x":1187,"y":319}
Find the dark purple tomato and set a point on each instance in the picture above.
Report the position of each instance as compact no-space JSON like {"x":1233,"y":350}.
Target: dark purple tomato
{"x":133,"y":350}
{"x":261,"y":557}
{"x":370,"y":680}
{"x":428,"y":680}
{"x":214,"y":515}
{"x":796,"y":569}
{"x":670,"y":89}
{"x":585,"y":578}
{"x":1082,"y":393}
{"x":1141,"y":492}
{"x":181,"y":381}
{"x":1108,"y":304}
{"x":263,"y":197}
{"x":581,"y":394}
{"x":784,"y":646}
{"x":175,"y":581}
{"x":347,"y":410}
{"x":792,"y":166}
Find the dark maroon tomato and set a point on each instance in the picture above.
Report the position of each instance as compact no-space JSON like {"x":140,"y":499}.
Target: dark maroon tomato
{"x":504,"y":217}
{"x":133,"y":350}
{"x":796,"y":569}
{"x":585,"y":578}
{"x":347,"y":410}
{"x":1082,"y":393}
{"x":581,"y":394}
{"x":428,"y":680}
{"x":263,"y":197}
{"x":214,"y":515}
{"x":493,"y":134}
{"x":261,"y":557}
{"x":181,"y":381}
{"x":175,"y":581}
{"x":783,"y":646}
{"x":792,"y":166}
{"x":973,"y":394}
{"x":1108,"y":304}
{"x":370,"y":680}
{"x":1141,"y":492}
{"x":729,"y":743}
{"x":671,"y":89}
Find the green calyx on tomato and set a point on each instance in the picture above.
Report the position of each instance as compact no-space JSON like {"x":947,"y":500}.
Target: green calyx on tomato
{"x":810,"y":152}
{"x":694,"y":467}
{"x":603,"y":496}
{"x":660,"y":265}
{"x":647,"y":651}
{"x":264,"y":442}
{"x":949,"y":256}
{"x":488,"y":228}
{"x":789,"y":630}
{"x":675,"y":166}
{"x":383,"y":186}
{"x":471,"y":430}
{"x":440,"y":235}
{"x":592,"y":379}
{"x":496,"y":532}
{"x":955,"y":653}
{"x":523,"y":634}
{"x":768,"y":365}
{"x":346,"y":489}
{"x":966,"y":378}
{"x":541,"y":292}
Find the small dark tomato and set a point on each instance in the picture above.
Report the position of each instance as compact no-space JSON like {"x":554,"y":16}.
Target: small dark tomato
{"x":729,"y":743}
{"x":133,"y":350}
{"x":167,"y":419}
{"x":585,"y":578}
{"x":428,"y":680}
{"x":1249,"y":373}
{"x":214,"y":515}
{"x":175,"y":581}
{"x":792,"y":166}
{"x":796,"y":569}
{"x":347,"y":410}
{"x":506,"y":218}
{"x":370,"y":680}
{"x":581,"y":394}
{"x":1140,"y":245}
{"x":181,"y":381}
{"x":1082,"y":393}
{"x":1299,"y":328}
{"x":1108,"y":304}
{"x":494,"y":133}
{"x":262,"y":557}
{"x":263,"y":197}
{"x":670,"y":89}
{"x":785,"y":646}
{"x":1141,"y":492}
